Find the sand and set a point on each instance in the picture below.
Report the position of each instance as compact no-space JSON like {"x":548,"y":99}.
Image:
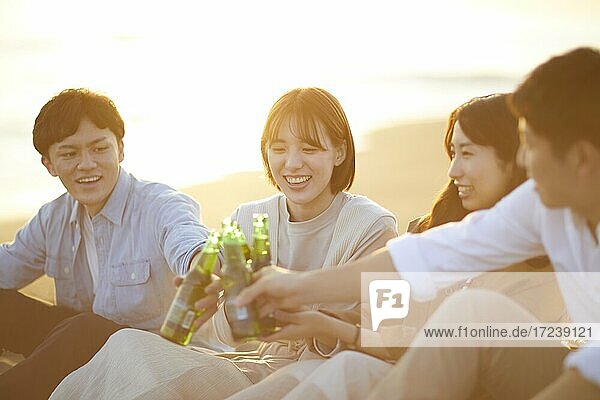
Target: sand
{"x":401,"y":167}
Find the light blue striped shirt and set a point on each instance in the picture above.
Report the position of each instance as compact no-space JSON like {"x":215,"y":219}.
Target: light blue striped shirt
{"x":145,"y":235}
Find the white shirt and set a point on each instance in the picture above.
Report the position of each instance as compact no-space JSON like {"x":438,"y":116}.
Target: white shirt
{"x":91,"y":251}
{"x":517,"y":228}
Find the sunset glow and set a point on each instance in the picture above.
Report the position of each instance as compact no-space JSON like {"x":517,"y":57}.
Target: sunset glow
{"x":194,"y":81}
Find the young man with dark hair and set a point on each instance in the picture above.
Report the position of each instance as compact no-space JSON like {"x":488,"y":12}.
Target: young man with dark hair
{"x":112,"y":243}
{"x":556,"y":213}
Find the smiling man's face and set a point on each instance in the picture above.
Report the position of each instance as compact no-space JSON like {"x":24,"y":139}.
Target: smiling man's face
{"x":87,"y":163}
{"x":555,"y":177}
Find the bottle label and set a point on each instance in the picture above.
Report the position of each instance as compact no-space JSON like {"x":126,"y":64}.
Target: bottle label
{"x":241,"y":313}
{"x":188,"y":319}
{"x":180,"y":314}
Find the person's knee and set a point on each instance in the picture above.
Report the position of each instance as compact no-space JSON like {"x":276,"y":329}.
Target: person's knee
{"x":130,"y":338}
{"x":348,"y":358}
{"x":480,"y":305}
{"x":86,"y":319}
{"x":352,"y":363}
{"x":89,"y":324}
{"x":481,"y":297}
{"x":12,"y":303}
{"x":9,"y":297}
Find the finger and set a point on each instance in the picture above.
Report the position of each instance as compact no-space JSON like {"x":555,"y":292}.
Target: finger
{"x":204,"y":316}
{"x":177,"y":280}
{"x":205,"y":309}
{"x":250,"y":293}
{"x":214,"y":287}
{"x":261,"y":273}
{"x":286,"y":316}
{"x":266,"y":309}
{"x":289,"y":332}
{"x":283,"y":305}
{"x":261,"y":301}
{"x":205,"y":303}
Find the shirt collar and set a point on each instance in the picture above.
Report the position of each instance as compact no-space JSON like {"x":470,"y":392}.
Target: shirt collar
{"x":115,"y":206}
{"x":74,"y":212}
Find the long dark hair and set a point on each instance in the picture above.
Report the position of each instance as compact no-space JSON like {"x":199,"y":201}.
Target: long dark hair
{"x":486,"y":121}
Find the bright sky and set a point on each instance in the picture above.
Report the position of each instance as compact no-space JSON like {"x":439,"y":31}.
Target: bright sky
{"x":194,"y":80}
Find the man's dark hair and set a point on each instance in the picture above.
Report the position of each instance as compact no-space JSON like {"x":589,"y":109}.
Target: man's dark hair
{"x":560,"y":99}
{"x":60,"y":117}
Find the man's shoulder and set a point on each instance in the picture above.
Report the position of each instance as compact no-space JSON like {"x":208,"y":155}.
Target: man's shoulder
{"x":523,"y":197}
{"x":157,"y":192}
{"x":62,"y":206}
{"x":526,"y":188}
{"x":525,"y":202}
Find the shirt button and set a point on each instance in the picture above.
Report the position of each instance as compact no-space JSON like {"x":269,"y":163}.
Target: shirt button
{"x":132,"y":275}
{"x":66,"y":269}
{"x":73,"y":248}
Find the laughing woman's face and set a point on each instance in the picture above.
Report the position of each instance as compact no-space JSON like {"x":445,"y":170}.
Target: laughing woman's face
{"x":303,"y":172}
{"x":480,"y":176}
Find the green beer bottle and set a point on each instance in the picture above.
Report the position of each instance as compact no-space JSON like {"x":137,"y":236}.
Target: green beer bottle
{"x":261,"y":257}
{"x":177,"y":326}
{"x":261,"y":246}
{"x":235,"y":276}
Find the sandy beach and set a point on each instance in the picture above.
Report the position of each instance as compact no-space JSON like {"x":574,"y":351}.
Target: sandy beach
{"x":401,"y":167}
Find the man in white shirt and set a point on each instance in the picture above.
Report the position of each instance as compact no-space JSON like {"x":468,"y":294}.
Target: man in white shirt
{"x":556,"y":213}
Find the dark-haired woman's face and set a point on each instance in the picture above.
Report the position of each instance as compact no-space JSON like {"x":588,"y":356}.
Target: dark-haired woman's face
{"x":480,"y":176}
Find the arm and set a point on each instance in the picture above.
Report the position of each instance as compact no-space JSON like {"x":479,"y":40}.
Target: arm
{"x":328,"y":331}
{"x":485,"y":240}
{"x":341,"y":325}
{"x":181,"y":234}
{"x":386,"y":232}
{"x":281,"y":288}
{"x":23,"y":260}
{"x":336,"y":333}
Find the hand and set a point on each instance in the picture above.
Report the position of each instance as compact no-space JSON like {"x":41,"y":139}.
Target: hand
{"x":206,"y":306}
{"x":300,"y":325}
{"x":178,"y":280}
{"x":273,"y":288}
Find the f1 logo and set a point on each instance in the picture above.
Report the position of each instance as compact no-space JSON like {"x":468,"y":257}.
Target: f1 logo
{"x":389,"y":299}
